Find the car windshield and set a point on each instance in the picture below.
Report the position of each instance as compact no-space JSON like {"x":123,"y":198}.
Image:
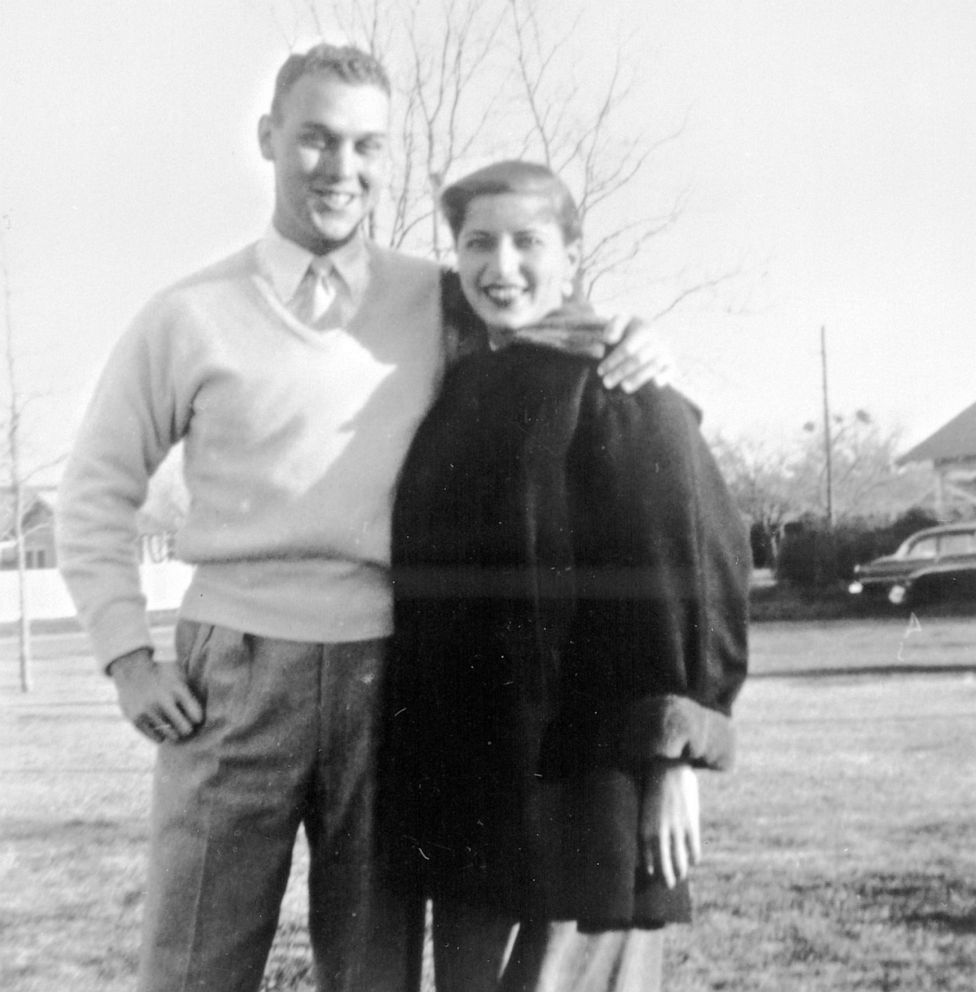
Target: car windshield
{"x":922,"y":547}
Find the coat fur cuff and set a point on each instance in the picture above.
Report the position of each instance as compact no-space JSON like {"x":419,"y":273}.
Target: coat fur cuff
{"x":677,"y":728}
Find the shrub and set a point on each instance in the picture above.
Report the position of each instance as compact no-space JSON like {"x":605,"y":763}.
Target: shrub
{"x":807,"y":555}
{"x":811,"y":556}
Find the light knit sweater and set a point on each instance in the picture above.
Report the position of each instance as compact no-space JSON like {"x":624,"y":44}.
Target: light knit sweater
{"x":293,"y":440}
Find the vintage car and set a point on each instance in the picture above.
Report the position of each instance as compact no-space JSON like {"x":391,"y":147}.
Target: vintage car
{"x":931,"y":564}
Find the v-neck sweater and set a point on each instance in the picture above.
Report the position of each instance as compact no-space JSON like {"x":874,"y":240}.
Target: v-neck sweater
{"x":293,"y":440}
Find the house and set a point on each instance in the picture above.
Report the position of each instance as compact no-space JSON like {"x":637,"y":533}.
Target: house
{"x":37,"y":521}
{"x":155,"y":538}
{"x":952,"y":452}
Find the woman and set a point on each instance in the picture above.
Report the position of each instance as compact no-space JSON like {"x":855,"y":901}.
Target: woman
{"x":570,"y":579}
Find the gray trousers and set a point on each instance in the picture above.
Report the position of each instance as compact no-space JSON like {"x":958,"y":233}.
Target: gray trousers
{"x":288,"y":740}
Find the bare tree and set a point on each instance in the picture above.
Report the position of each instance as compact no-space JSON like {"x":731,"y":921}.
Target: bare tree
{"x":498,"y":78}
{"x":865,"y":480}
{"x":20,"y":470}
{"x":13,"y":415}
{"x":774,"y":484}
{"x":578,"y":128}
{"x":441,"y":55}
{"x":445,"y":112}
{"x":759,"y":477}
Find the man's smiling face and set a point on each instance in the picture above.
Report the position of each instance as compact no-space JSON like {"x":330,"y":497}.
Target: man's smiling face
{"x":328,"y":144}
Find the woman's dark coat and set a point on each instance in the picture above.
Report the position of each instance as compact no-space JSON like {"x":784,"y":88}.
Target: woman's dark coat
{"x":570,"y":577}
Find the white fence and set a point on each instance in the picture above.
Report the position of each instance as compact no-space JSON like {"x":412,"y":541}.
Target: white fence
{"x":48,"y":599}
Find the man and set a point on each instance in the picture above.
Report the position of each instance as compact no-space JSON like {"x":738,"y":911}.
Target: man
{"x":295,"y":372}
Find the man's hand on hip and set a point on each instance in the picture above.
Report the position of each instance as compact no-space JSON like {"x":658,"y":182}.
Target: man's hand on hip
{"x":155,"y":697}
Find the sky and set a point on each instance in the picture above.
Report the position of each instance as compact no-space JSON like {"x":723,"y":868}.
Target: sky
{"x":829,"y":151}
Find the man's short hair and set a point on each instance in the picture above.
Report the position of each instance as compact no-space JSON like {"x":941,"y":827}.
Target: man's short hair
{"x":344,"y":62}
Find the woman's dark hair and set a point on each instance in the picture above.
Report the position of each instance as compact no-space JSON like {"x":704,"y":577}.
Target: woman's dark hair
{"x":513,"y":176}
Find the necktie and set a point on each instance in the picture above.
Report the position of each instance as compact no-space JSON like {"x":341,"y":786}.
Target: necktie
{"x":315,"y":294}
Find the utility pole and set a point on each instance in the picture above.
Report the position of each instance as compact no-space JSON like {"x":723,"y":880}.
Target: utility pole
{"x":828,"y":443}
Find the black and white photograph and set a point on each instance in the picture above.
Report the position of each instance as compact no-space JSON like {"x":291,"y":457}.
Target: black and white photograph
{"x":487,"y":496}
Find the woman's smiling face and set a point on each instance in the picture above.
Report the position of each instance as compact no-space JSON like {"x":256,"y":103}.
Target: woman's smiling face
{"x":513,"y":260}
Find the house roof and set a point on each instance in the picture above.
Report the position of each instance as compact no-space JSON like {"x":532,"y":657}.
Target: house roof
{"x":32,"y":498}
{"x":954,"y":441}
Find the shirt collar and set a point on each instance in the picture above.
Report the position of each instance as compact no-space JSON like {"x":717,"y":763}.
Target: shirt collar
{"x":285,"y":263}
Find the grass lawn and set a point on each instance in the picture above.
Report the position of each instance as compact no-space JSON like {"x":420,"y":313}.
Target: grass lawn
{"x":840,"y":854}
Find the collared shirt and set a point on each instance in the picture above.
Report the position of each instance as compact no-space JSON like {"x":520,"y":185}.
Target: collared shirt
{"x":284,"y":263}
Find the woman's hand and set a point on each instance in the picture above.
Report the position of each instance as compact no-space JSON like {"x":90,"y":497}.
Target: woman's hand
{"x":669,"y":823}
{"x":636,"y":355}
